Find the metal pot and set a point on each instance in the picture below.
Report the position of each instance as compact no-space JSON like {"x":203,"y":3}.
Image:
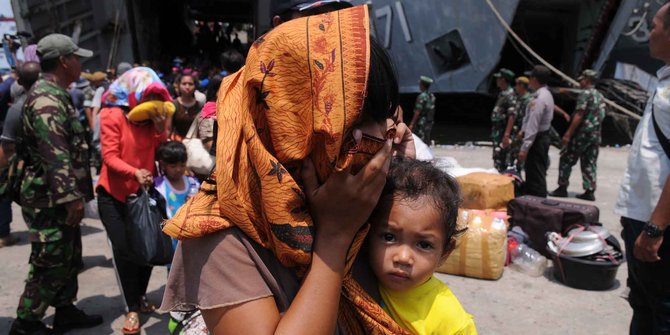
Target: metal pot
{"x":572,"y":248}
{"x":589,"y":234}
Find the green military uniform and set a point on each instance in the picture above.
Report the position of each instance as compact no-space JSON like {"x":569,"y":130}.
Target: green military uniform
{"x":504,"y":108}
{"x":585,"y":142}
{"x":519,"y":113}
{"x":57,"y":172}
{"x":425,"y":103}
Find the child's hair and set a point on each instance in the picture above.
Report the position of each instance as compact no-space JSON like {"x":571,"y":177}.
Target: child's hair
{"x":410,"y":179}
{"x":172,"y":152}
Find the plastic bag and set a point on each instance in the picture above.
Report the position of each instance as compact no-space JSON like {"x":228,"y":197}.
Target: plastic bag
{"x":146,"y":241}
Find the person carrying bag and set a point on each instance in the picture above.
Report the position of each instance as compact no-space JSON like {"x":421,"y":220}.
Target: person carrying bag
{"x":128,"y":152}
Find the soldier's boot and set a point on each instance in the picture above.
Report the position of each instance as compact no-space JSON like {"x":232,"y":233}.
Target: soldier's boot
{"x":25,"y":327}
{"x":587,"y":195}
{"x":71,"y":317}
{"x":560,"y":192}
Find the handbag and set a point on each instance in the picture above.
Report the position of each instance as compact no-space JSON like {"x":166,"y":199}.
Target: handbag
{"x":199,"y":160}
{"x":147,"y":243}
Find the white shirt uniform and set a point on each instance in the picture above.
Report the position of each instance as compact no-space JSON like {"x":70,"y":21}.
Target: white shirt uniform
{"x":648,"y":165}
{"x":539,"y":113}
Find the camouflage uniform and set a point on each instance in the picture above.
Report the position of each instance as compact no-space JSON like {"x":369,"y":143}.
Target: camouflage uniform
{"x":504,"y":108}
{"x":425,"y":102}
{"x":515,"y":146}
{"x":57,"y":172}
{"x":585,"y":142}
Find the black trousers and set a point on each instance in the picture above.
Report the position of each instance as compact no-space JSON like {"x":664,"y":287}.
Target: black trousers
{"x":537,"y":163}
{"x":134,"y":278}
{"x":649,"y":284}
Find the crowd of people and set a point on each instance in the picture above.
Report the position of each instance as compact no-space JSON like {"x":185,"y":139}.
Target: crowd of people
{"x":61,"y":122}
{"x":320,"y":221}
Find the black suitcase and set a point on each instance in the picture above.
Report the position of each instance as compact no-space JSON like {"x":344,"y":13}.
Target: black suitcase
{"x":537,"y":216}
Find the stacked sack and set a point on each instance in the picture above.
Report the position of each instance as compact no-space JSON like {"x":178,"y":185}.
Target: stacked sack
{"x":482,"y":250}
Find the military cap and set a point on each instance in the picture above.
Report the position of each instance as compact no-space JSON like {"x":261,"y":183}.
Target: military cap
{"x":588,"y":73}
{"x":281,"y":6}
{"x":522,"y":80}
{"x":426,"y":79}
{"x":55,"y":45}
{"x":504,"y":73}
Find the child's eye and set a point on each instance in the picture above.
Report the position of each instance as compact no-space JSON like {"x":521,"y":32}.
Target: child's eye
{"x":425,"y":245}
{"x":388,"y":237}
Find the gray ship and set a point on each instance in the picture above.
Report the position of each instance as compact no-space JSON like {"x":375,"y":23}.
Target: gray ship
{"x":459,"y":43}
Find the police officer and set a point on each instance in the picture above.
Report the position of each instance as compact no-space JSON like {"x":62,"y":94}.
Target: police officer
{"x":56,"y":184}
{"x":582,"y":139}
{"x":424,"y":111}
{"x":513,"y":138}
{"x":536,"y":123}
{"x":504,"y":109}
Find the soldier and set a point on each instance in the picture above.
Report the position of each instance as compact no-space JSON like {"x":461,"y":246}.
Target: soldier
{"x":424,"y":111}
{"x":513,"y":137}
{"x":56,"y":184}
{"x":504,"y":109}
{"x":582,"y":139}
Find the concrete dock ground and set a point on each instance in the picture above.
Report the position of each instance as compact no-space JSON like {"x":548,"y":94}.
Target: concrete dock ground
{"x":515,"y":304}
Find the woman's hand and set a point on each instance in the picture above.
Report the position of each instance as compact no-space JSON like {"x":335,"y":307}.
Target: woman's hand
{"x":159,"y":119}
{"x":403,"y":143}
{"x":344,"y":202}
{"x":144,"y":177}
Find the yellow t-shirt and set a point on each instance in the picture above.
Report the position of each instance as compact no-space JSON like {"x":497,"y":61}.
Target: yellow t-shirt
{"x":429,"y":309}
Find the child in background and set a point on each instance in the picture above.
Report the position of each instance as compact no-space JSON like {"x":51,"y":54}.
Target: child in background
{"x":173,"y":184}
{"x":413,"y":231}
{"x":176,"y":188}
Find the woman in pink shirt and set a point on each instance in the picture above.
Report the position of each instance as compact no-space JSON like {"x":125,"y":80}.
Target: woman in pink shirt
{"x":128,"y":150}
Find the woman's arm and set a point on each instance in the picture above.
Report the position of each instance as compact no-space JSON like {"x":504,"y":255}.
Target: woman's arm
{"x":110,"y":139}
{"x":314,"y":309}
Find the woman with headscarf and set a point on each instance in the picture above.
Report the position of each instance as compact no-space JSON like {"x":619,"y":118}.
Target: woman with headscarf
{"x":313,"y":105}
{"x":128,"y":150}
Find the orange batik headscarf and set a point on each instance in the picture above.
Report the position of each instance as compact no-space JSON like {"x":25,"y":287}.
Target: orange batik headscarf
{"x":302,"y":89}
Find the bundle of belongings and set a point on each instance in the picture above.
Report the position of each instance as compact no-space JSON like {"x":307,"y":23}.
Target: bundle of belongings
{"x":481,"y":251}
{"x":584,"y":253}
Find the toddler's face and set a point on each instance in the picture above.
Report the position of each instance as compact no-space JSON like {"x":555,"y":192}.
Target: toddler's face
{"x":174,"y":171}
{"x":406,"y":243}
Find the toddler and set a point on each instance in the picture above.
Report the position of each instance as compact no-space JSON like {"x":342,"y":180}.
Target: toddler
{"x":173,"y":184}
{"x":413,"y":231}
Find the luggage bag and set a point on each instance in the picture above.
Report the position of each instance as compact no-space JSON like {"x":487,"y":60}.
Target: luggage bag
{"x":537,"y":216}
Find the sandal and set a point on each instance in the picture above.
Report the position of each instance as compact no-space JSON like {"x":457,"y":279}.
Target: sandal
{"x":145,"y":306}
{"x":131,"y":325}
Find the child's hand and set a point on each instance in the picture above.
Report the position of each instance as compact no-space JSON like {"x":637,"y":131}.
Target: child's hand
{"x":344,"y":202}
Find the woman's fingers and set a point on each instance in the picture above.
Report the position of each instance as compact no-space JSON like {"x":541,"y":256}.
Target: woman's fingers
{"x":378,"y":166}
{"x":404,"y":142}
